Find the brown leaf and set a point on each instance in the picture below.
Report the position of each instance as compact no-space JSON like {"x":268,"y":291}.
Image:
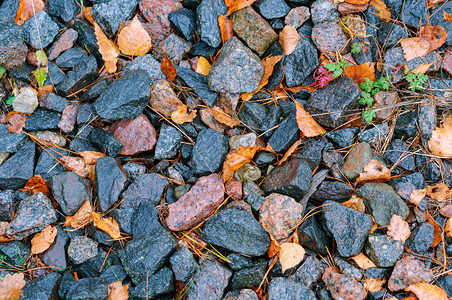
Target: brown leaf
{"x":439,"y":192}
{"x":434,"y":35}
{"x":359,"y":2}
{"x":417,"y":196}
{"x":383,"y":12}
{"x":437,"y":238}
{"x":88,"y":15}
{"x":44,"y":90}
{"x":447,"y":17}
{"x":307,"y":125}
{"x":363,"y":261}
{"x":441,"y":141}
{"x":289,"y":151}
{"x":202,"y":66}
{"x":288,"y":38}
{"x":11,"y":286}
{"x":107,"y":49}
{"x":290,"y":255}
{"x":82,"y":217}
{"x":180,"y":115}
{"x":235,"y":5}
{"x":374,"y":285}
{"x":360,"y":72}
{"x":448,"y":228}
{"x":274,"y":247}
{"x":15,"y":122}
{"x":43,"y":240}
{"x":117,"y":291}
{"x":426,"y":291}
{"x":398,"y":229}
{"x":414,"y":47}
{"x":355,"y":203}
{"x":90,"y":157}
{"x":446,"y":211}
{"x":37,"y":184}
{"x":133,"y":39}
{"x":422,"y":68}
{"x":167,"y":68}
{"x":27,"y":9}
{"x":236,"y":159}
{"x":431,"y":3}
{"x":374,"y":171}
{"x":225,"y":25}
{"x":224,"y":118}
{"x":75,"y":164}
{"x":107,"y":225}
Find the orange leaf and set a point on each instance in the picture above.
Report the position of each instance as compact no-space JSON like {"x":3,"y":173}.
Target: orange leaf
{"x":133,"y":39}
{"x":288,"y":38}
{"x":87,"y":14}
{"x":422,"y":68}
{"x":290,"y":255}
{"x":75,"y":164}
{"x":107,"y":49}
{"x":448,"y":227}
{"x":11,"y":286}
{"x":360,"y":72}
{"x":437,"y":238}
{"x":236,"y":159}
{"x":37,"y":184}
{"x":363,"y":261}
{"x":27,"y":9}
{"x":398,"y":229}
{"x":15,"y":122}
{"x":274,"y":247}
{"x":441,"y":141}
{"x":225,"y":28}
{"x":167,"y":68}
{"x":289,"y":152}
{"x":417,"y":196}
{"x":117,"y":291}
{"x":235,"y":5}
{"x":44,"y":90}
{"x":202,"y":66}
{"x":108,"y":225}
{"x":434,"y":35}
{"x":374,"y":171}
{"x":414,"y":47}
{"x":374,"y":285}
{"x":426,"y":291}
{"x":180,"y":115}
{"x":359,"y":2}
{"x":383,"y":12}
{"x":447,"y":17}
{"x":43,"y":240}
{"x":224,"y":118}
{"x":446,"y":211}
{"x":439,"y":192}
{"x":82,"y":217}
{"x":307,"y":125}
{"x":355,"y":203}
{"x":90,"y":157}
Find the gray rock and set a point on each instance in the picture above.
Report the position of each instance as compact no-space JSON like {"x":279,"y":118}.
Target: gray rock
{"x":145,"y":220}
{"x":313,"y":236}
{"x":95,"y":90}
{"x":344,"y":137}
{"x":146,"y":188}
{"x":42,"y":119}
{"x":48,"y":30}
{"x":421,"y":238}
{"x":285,"y":135}
{"x":414,"y":13}
{"x":347,"y":267}
{"x":8,"y":205}
{"x":65,"y":9}
{"x":390,"y":34}
{"x":312,"y":151}
{"x":198,"y":82}
{"x":427,"y":167}
{"x":111,"y":14}
{"x":239,"y":262}
{"x":109,"y":181}
{"x":106,"y":141}
{"x":11,"y":142}
{"x":168,"y":143}
{"x":55,"y":255}
{"x":374,"y":133}
{"x":334,"y":191}
{"x":123,"y":217}
{"x":184,"y":22}
{"x":47,"y":166}
{"x":43,"y":287}
{"x":55,"y":75}
{"x":17,"y":251}
{"x":251,"y":276}
{"x":114,"y":273}
{"x":209,"y":151}
{"x":16,"y":171}
{"x":64,"y":42}
{"x":406,"y":125}
{"x":13,"y":50}
{"x":83,"y":74}
{"x":86,"y":288}
{"x":176,"y":47}
{"x":207,"y":15}
{"x":71,"y":57}
{"x":245,"y":294}
{"x":427,"y":120}
{"x":53,"y":102}
{"x":392,"y":59}
{"x":70,"y":191}
{"x":203,"y":287}
{"x":383,"y":250}
{"x":310,"y":272}
{"x":149,"y":64}
{"x":158,"y":284}
{"x":8,"y":10}
{"x":272,"y":9}
{"x":183,"y":264}
{"x":236,"y":231}
{"x":359,"y":157}
{"x":87,"y":38}
{"x":283,"y":288}
{"x":399,"y":153}
{"x":324,"y":11}
{"x":81,"y":249}
{"x":26,"y":102}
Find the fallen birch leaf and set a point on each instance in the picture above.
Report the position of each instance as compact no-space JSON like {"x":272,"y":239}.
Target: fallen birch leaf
{"x":235,"y":5}
{"x":90,"y":157}
{"x":359,"y":2}
{"x":417,"y":196}
{"x":447,"y":17}
{"x":426,"y":291}
{"x":82,"y":217}
{"x":437,"y":238}
{"x":133,"y":39}
{"x":11,"y":286}
{"x":43,"y":240}
{"x":288,"y":38}
{"x":355,"y":203}
{"x":441,"y":141}
{"x":88,"y":15}
{"x":27,"y":9}
{"x":107,"y":49}
{"x":374,"y":171}
{"x":274,"y":247}
{"x":37,"y":184}
{"x":15,"y":122}
{"x":446,"y":211}
{"x":225,"y":25}
{"x":439,"y":192}
{"x":383,"y":12}
{"x":289,"y":152}
{"x":44,"y":90}
{"x":422,"y":68}
{"x":434,"y":35}
{"x":180,"y":115}
{"x":363,"y":261}
{"x":360,"y":72}
{"x":107,"y":225}
{"x":203,"y":66}
{"x":224,"y":118}
{"x":167,"y":68}
{"x":307,"y":125}
{"x":117,"y":291}
{"x":236,"y":159}
{"x":448,"y":227}
{"x":290,"y":255}
{"x":414,"y":47}
{"x":374,"y":285}
{"x":75,"y":164}
{"x":398,"y":229}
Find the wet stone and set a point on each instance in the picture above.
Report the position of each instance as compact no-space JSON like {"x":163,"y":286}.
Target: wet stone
{"x":53,"y":102}
{"x":204,"y":287}
{"x":243,"y":140}
{"x":344,"y":137}
{"x":406,"y":125}
{"x":236,"y":231}
{"x":297,"y":16}
{"x":10,"y":142}
{"x":123,"y":217}
{"x":160,"y":283}
{"x":348,"y":227}
{"x":33,"y":215}
{"x":183,"y":264}
{"x":8,"y":205}
{"x":47,"y":166}
{"x":68,"y":118}
{"x":81,"y":249}
{"x":244,"y":294}
{"x":71,"y":57}
{"x":264,"y":159}
{"x":26,"y":102}
{"x":248,"y":172}
{"x":427,"y":120}
{"x":48,"y":30}
{"x":393,"y":58}
{"x":256,"y":201}
{"x":427,"y":168}
{"x":207,"y":15}
{"x":70,"y":191}
{"x":202,"y":49}
{"x":43,"y":287}
{"x":399,"y":152}
{"x":312,"y":236}
{"x":110,"y":15}
{"x":300,"y":63}
{"x":163,"y":99}
{"x":149,"y":64}
{"x":373,"y":134}
{"x":334,"y":101}
{"x":239,"y":262}
{"x":408,"y":271}
{"x":421,"y":238}
{"x":175,"y":47}
{"x":251,"y":276}
{"x":310,"y":272}
{"x":55,"y":255}
{"x":168,"y":143}
{"x":87,"y":38}
{"x":347,"y":267}
{"x":239,"y":65}
{"x":276,"y":24}
{"x":65,"y":9}
{"x":16,"y":171}
{"x":343,"y":286}
{"x":145,"y":220}
{"x":198,"y":82}
{"x":110,"y":178}
{"x":55,"y":76}
{"x":64,"y":42}
{"x":333,"y":190}
{"x":86,"y":288}
{"x":13,"y":50}
{"x":329,"y":36}
{"x":324,"y":11}
{"x":357,"y":159}
{"x":414,"y":13}
{"x":147,"y":188}
{"x":389,"y":34}
{"x":209,"y":151}
{"x":311,"y":151}
{"x":272,"y":9}
{"x":383,"y":250}
{"x":285,"y":135}
{"x":83,"y":74}
{"x":8,"y":9}
{"x":283,"y":288}
{"x":184,"y":22}
{"x":106,"y":141}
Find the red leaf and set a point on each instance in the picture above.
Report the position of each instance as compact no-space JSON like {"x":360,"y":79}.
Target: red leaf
{"x":167,"y":68}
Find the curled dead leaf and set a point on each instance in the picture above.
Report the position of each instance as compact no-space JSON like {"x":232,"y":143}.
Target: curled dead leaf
{"x":355,"y":203}
{"x":180,"y":115}
{"x":82,"y":217}
{"x":290,"y":255}
{"x":414,"y":47}
{"x":107,"y":49}
{"x":87,"y":14}
{"x":363,"y":261}
{"x":133,"y":39}
{"x":383,"y":12}
{"x":11,"y":286}
{"x":289,"y":152}
{"x":307,"y":125}
{"x":441,"y":141}
{"x":398,"y":229}
{"x":107,"y":225}
{"x":202,"y":66}
{"x":235,"y":5}
{"x":439,"y":192}
{"x":27,"y":9}
{"x":359,"y":73}
{"x":434,"y":35}
{"x":288,"y":38}
{"x":167,"y":68}
{"x":427,"y":291}
{"x":236,"y":159}
{"x":117,"y":291}
{"x":448,"y":227}
{"x":43,"y":240}
{"x":224,"y":118}
{"x":422,"y":68}
{"x":374,"y":285}
{"x":417,"y":196}
{"x":436,"y":231}
{"x":90,"y":157}
{"x":15,"y":122}
{"x":37,"y":184}
{"x":225,"y":25}
{"x":374,"y":171}
{"x":446,"y":211}
{"x":447,"y":16}
{"x":75,"y":164}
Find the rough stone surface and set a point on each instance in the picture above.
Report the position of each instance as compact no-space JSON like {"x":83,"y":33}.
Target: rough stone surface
{"x":110,"y":15}
{"x":26,"y":102}
{"x":163,"y":99}
{"x":399,"y":153}
{"x":209,"y":151}
{"x":63,"y":43}
{"x":343,"y":286}
{"x":68,"y":118}
{"x":168,"y":143}
{"x":310,"y":272}
{"x":421,"y":238}
{"x":183,"y":264}
{"x":408,"y":271}
{"x":204,"y":287}
{"x":285,"y":135}
{"x":53,"y":102}
{"x":10,"y":142}
{"x":272,"y":9}
{"x":106,"y":141}
{"x":146,"y":188}
{"x":334,"y":191}
{"x":15,"y":172}
{"x":8,"y":205}
{"x":55,"y":255}
{"x":357,"y":159}
{"x":160,"y":283}
{"x":48,"y":30}
{"x":110,"y":178}
{"x":207,"y":15}
{"x":329,"y":36}
{"x":81,"y":249}
{"x":297,"y":16}
{"x":324,"y":11}
{"x":70,"y":191}
{"x":383,"y":250}
{"x":13,"y":50}
{"x":198,"y":82}
{"x":43,"y":287}
{"x":283,"y":288}
{"x":149,"y":64}
{"x":83,"y":74}
{"x":251,"y":276}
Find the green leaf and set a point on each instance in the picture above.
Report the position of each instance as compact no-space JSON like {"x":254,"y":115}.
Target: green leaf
{"x":41,"y":76}
{"x":368,"y":115}
{"x":42,"y":58}
{"x":356,"y":47}
{"x":10,"y":100}
{"x":331,"y":67}
{"x":337,"y":73}
{"x":2,"y":71}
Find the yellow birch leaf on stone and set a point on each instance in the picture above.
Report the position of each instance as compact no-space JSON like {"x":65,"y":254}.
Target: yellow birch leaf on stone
{"x":180,"y":115}
{"x":363,"y":261}
{"x":290,"y":255}
{"x":90,"y":157}
{"x":203,"y":66}
{"x":414,"y":47}
{"x":288,"y":38}
{"x":441,"y":141}
{"x":422,"y":68}
{"x":82,"y":217}
{"x":133,"y":39}
{"x":373,"y":285}
{"x":417,"y":196}
{"x":426,"y":291}
{"x":43,"y":240}
{"x":11,"y":286}
{"x":224,"y":118}
{"x":398,"y":229}
{"x":117,"y":291}
{"x":355,"y":203}
{"x":374,"y":171}
{"x":108,"y":225}
{"x":107,"y":49}
{"x":307,"y":125}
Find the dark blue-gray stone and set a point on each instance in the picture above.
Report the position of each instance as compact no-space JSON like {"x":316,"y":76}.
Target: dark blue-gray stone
{"x":84,"y":73}
{"x":209,"y":151}
{"x":16,"y":171}
{"x":109,"y":181}
{"x":112,"y":14}
{"x":42,"y":23}
{"x":9,"y":141}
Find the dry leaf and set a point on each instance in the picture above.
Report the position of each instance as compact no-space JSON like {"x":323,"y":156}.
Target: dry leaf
{"x":75,"y":164}
{"x":224,"y":118}
{"x":167,"y":68}
{"x":235,"y":5}
{"x":117,"y":291}
{"x":108,"y":225}
{"x":11,"y":286}
{"x":15,"y":122}
{"x":225,"y":25}
{"x":288,"y":38}
{"x":363,"y":261}
{"x":434,"y":35}
{"x":180,"y":115}
{"x":417,"y":196}
{"x":82,"y":217}
{"x":448,"y":227}
{"x":426,"y":291}
{"x":133,"y":39}
{"x":374,"y":171}
{"x":447,"y":17}
{"x":44,"y":90}
{"x":203,"y":66}
{"x":307,"y":125}
{"x":359,"y":2}
{"x":360,"y":72}
{"x":414,"y":47}
{"x":290,"y":255}
{"x":437,"y":238}
{"x":107,"y":49}
{"x":289,"y":152}
{"x":383,"y":12}
{"x":27,"y":9}
{"x":374,"y":285}
{"x":398,"y":229}
{"x":422,"y":68}
{"x":88,"y":15}
{"x":37,"y":184}
{"x":446,"y":211}
{"x":236,"y":159}
{"x":439,"y":192}
{"x":43,"y":240}
{"x":441,"y":141}
{"x":90,"y":157}
{"x":274,"y":245}
{"x":355,"y":203}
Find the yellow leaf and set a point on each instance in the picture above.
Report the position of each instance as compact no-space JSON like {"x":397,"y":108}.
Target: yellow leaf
{"x":224,"y":118}
{"x":417,"y":196}
{"x":307,"y":125}
{"x":439,"y":192}
{"x":355,"y":203}
{"x":27,"y":9}
{"x":108,"y":225}
{"x":43,"y":240}
{"x":447,"y":17}
{"x":360,"y":72}
{"x":236,"y":159}
{"x":11,"y":286}
{"x":82,"y":217}
{"x":133,"y":39}
{"x":426,"y":291}
{"x":288,"y":38}
{"x":87,"y":14}
{"x":363,"y":261}
{"x":180,"y":115}
{"x":203,"y":66}
{"x":117,"y":291}
{"x":441,"y":141}
{"x":414,"y":47}
{"x":448,"y":227}
{"x":422,"y":68}
{"x":398,"y":229}
{"x":374,"y":285}
{"x":374,"y":171}
{"x":37,"y":184}
{"x":235,"y":5}
{"x":290,"y":255}
{"x":225,"y":25}
{"x":289,"y":152}
{"x":90,"y":157}
{"x":383,"y":12}
{"x":107,"y":49}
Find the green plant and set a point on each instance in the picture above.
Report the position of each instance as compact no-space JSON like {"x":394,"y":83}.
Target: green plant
{"x":370,"y":88}
{"x":416,"y":80}
{"x":337,"y":68}
{"x":10,"y":100}
{"x":2,"y":71}
{"x":357,"y":47}
{"x":42,"y":70}
{"x":368,"y":115}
